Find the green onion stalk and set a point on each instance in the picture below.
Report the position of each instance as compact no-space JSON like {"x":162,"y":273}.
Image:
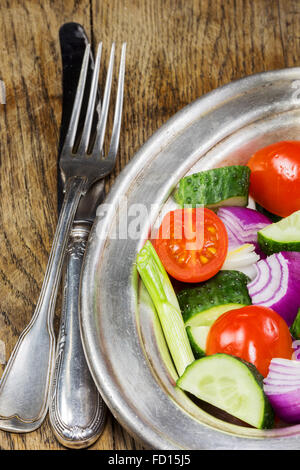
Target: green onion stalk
{"x":160,"y":289}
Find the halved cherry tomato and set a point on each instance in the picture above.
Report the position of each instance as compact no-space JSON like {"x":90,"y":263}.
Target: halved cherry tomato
{"x":275,"y":177}
{"x":192,"y":244}
{"x":253,"y":333}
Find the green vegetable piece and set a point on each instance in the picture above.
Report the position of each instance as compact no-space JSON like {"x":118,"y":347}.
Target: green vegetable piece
{"x":198,"y":336}
{"x":203,"y":304}
{"x":161,"y":291}
{"x":281,"y":236}
{"x":295,"y":328}
{"x":226,"y":186}
{"x":232,"y":385}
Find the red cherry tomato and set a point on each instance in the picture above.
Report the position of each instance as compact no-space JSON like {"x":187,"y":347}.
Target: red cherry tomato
{"x":275,"y":177}
{"x":253,"y":333}
{"x":192,"y":244}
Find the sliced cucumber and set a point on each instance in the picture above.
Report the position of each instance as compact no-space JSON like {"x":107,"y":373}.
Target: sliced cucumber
{"x":197,"y":336}
{"x":281,"y":236}
{"x":209,"y":316}
{"x":226,"y":186}
{"x":230,"y":384}
{"x":202,"y":305}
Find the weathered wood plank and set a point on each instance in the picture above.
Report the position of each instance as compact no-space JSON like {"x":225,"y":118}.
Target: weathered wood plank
{"x":178,"y":50}
{"x":29,"y":131}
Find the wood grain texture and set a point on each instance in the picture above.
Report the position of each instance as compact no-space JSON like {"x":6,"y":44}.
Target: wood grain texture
{"x":177,"y":50}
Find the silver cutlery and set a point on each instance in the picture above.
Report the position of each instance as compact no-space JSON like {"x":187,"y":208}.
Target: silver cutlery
{"x":77,"y":411}
{"x":25,"y":383}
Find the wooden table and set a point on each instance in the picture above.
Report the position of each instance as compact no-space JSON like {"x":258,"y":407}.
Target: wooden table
{"x":177,"y":51}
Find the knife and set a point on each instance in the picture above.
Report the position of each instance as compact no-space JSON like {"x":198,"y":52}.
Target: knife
{"x":76,"y":410}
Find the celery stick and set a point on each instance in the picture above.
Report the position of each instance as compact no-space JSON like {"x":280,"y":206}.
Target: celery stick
{"x":161,"y":291}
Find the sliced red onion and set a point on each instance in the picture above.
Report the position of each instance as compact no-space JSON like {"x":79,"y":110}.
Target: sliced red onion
{"x":250,"y":271}
{"x":288,"y":364}
{"x":277,"y":284}
{"x":242,"y":225}
{"x":283,"y":370}
{"x":284,"y":394}
{"x":296,"y":353}
{"x":283,"y":375}
{"x":284,"y":379}
{"x":243,"y":258}
{"x":273,"y":390}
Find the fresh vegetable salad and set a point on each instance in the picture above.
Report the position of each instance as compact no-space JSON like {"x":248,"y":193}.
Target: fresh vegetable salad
{"x":233,"y":328}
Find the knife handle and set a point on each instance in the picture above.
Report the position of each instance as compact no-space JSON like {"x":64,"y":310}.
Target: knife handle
{"x":77,"y":411}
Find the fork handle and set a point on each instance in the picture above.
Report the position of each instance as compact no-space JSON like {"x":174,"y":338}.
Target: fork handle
{"x":77,"y":411}
{"x":24,"y":386}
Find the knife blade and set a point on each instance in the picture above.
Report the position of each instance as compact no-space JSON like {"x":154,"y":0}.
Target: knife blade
{"x":76,"y":410}
{"x":73,"y":41}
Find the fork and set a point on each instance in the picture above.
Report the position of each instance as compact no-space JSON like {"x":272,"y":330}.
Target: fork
{"x":25,"y":383}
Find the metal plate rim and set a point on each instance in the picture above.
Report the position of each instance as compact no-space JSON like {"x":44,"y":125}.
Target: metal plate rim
{"x":104,"y":377}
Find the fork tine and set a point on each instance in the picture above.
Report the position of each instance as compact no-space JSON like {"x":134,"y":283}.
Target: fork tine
{"x":105,"y":105}
{"x":91,"y":104}
{"x":70,"y":137}
{"x":115,"y":135}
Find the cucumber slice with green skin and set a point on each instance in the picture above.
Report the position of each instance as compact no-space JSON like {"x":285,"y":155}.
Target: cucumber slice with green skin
{"x":202,"y":305}
{"x":295,"y":328}
{"x":209,"y":316}
{"x":281,"y":236}
{"x":226,"y":186}
{"x":197,"y":336}
{"x":230,"y":384}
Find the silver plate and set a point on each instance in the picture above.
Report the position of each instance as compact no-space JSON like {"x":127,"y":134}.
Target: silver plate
{"x":121,"y":335}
